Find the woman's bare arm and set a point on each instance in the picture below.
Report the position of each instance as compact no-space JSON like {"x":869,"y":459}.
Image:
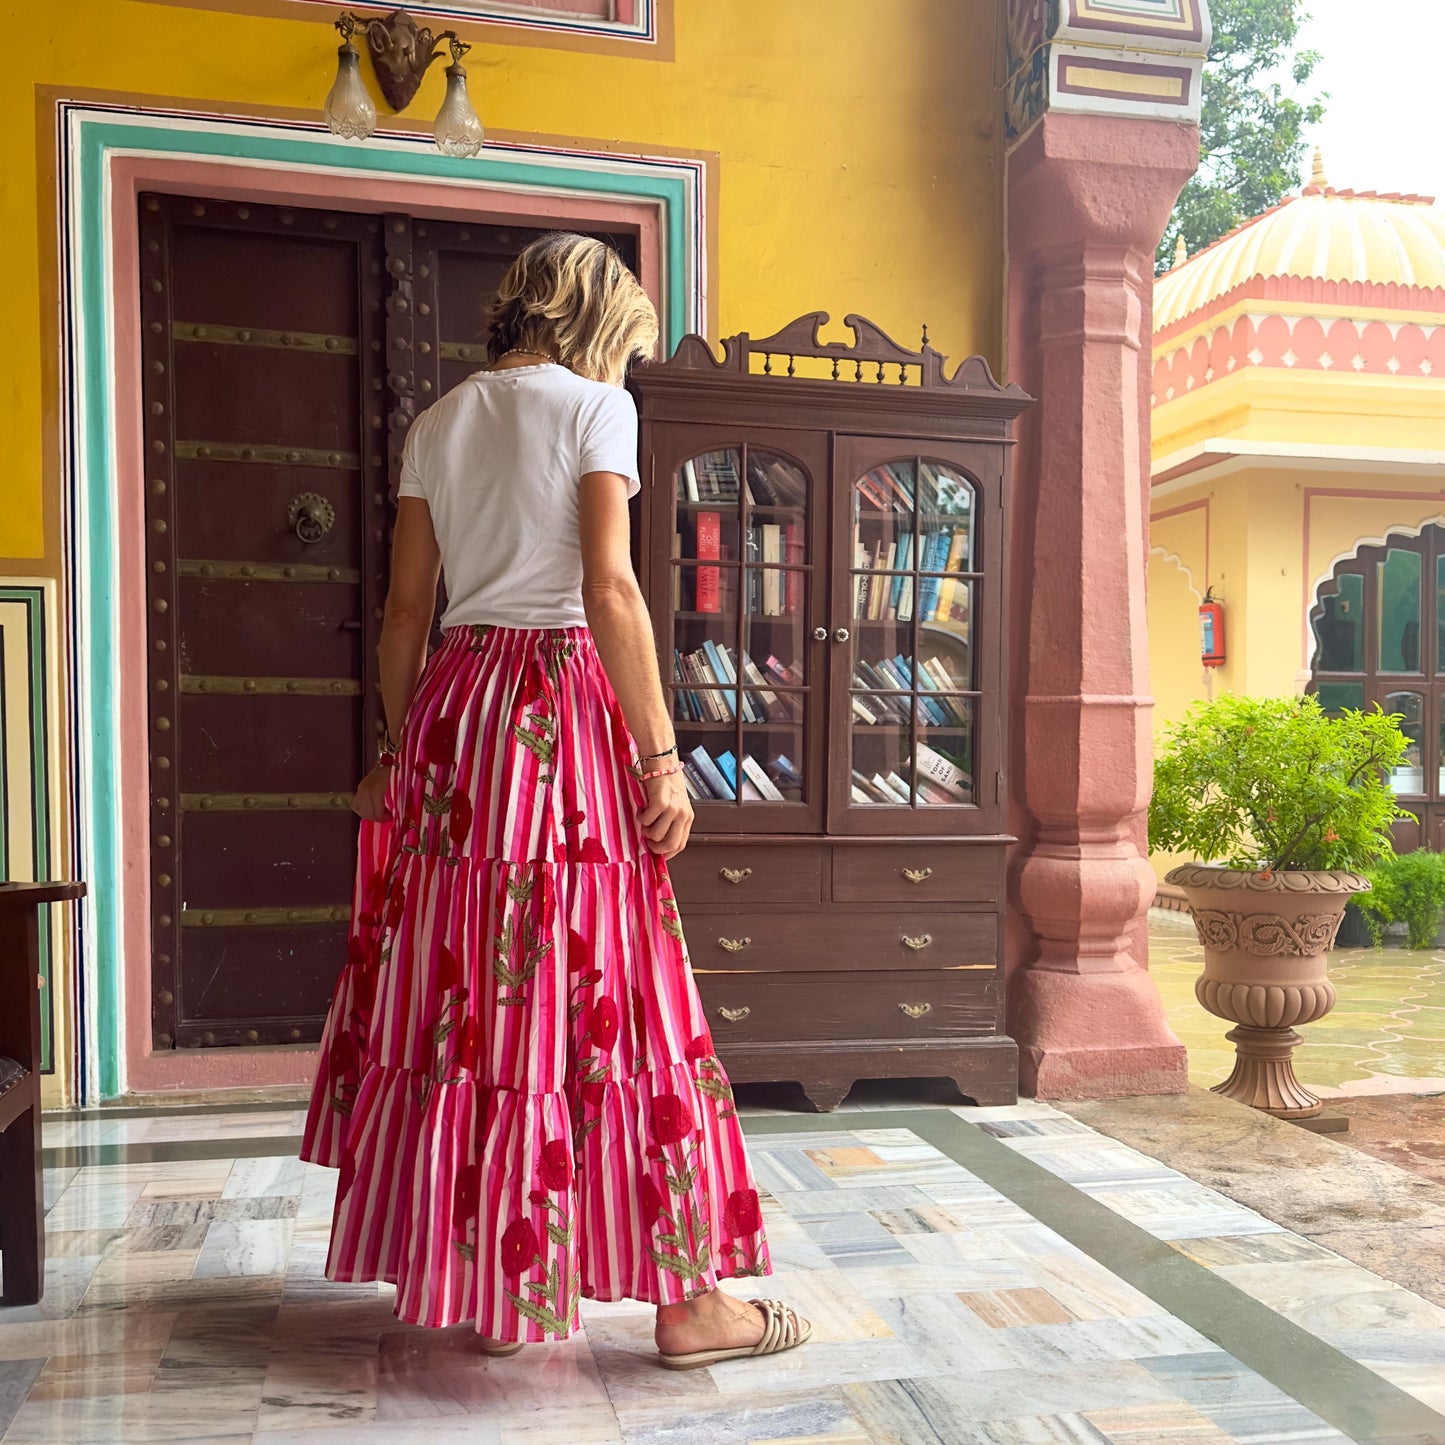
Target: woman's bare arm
{"x":622,"y":631}
{"x":410,"y":604}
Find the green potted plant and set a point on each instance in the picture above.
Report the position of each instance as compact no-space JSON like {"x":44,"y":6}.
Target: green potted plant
{"x":1283,"y":806}
{"x":1407,"y":888}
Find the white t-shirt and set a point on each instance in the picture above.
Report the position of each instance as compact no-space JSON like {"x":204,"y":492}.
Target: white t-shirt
{"x":498,"y":461}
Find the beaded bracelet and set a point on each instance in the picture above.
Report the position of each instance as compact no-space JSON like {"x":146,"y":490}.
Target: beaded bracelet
{"x":657,"y":773}
{"x":649,"y":757}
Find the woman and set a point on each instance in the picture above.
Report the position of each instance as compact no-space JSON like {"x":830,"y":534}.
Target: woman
{"x":516,"y":1080}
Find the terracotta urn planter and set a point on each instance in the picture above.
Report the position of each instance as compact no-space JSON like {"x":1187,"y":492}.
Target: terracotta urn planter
{"x":1266,"y":939}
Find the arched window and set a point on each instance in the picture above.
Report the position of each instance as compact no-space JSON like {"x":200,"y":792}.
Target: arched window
{"x":1379,"y":639}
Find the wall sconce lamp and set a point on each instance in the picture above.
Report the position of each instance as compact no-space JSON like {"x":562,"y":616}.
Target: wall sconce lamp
{"x":401,"y":53}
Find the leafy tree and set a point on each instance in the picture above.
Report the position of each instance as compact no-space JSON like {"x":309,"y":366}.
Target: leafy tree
{"x":1251,"y":122}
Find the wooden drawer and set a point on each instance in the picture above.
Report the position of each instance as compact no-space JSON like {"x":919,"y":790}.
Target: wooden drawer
{"x":739,"y":874}
{"x":835,"y":941}
{"x":915,"y":873}
{"x":777,"y":1008}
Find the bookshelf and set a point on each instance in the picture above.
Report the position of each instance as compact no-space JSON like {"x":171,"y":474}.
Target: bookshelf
{"x":821,"y":539}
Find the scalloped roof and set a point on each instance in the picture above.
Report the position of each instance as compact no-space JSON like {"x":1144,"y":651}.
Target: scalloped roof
{"x":1322,"y":234}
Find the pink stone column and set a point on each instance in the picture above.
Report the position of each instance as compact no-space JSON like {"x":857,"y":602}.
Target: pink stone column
{"x":1088,"y":199}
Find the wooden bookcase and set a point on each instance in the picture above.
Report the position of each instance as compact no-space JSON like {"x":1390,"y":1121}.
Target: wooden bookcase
{"x":844,"y":908}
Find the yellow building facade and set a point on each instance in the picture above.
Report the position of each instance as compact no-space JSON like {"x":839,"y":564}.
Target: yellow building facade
{"x":1298,"y":435}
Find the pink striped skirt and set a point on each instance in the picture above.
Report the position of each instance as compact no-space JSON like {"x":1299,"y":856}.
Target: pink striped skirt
{"x":516,"y":1080}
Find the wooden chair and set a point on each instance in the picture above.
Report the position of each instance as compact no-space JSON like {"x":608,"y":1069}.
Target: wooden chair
{"x":22,"y":1190}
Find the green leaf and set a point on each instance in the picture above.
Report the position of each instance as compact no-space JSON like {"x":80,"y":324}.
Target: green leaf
{"x":537,"y":1314}
{"x":559,"y":1234}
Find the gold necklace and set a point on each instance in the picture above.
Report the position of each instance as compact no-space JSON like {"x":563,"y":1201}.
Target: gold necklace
{"x":522,"y":351}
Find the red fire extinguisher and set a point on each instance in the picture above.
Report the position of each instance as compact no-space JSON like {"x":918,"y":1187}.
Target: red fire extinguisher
{"x":1211,"y":631}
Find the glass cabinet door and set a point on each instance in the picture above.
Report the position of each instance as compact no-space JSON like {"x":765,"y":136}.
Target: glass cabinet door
{"x":912,"y":677}
{"x":742,"y":657}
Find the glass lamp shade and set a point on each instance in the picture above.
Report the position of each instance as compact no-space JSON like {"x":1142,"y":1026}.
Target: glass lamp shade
{"x":349,"y":110}
{"x":458,"y":131}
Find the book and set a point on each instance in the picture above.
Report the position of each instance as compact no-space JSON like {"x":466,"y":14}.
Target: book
{"x":783,"y":769}
{"x":932,"y":764}
{"x":711,"y":774}
{"x":871,"y":792}
{"x":692,"y":781}
{"x":934,"y":793}
{"x":901,"y":560}
{"x":885,"y":788}
{"x":900,"y":787}
{"x":793,"y":555}
{"x":861,"y":710}
{"x":764,"y":696}
{"x":772,"y":550}
{"x":901,"y":489}
{"x":716,"y":703}
{"x":760,"y":780}
{"x":729,"y":766}
{"x":709,"y":540}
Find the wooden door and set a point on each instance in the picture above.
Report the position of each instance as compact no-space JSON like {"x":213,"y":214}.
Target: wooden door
{"x":286,"y":353}
{"x":265,"y":515}
{"x":915,"y":708}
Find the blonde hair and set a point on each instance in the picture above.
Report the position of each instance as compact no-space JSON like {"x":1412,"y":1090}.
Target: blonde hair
{"x":572,"y":297}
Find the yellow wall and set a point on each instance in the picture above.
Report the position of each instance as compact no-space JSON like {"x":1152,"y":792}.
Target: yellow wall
{"x":1271,"y":535}
{"x":858,"y":155}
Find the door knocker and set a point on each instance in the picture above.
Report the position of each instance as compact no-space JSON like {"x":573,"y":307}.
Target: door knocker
{"x":311,"y":515}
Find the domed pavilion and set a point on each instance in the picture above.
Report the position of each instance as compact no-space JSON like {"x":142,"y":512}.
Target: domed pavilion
{"x":1299,"y":468}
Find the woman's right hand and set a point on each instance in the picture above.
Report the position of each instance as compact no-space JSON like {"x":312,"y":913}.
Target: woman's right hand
{"x":666,"y":817}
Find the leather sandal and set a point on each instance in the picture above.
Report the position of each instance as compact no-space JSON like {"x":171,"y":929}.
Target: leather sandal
{"x":499,"y":1349}
{"x":783,"y":1329}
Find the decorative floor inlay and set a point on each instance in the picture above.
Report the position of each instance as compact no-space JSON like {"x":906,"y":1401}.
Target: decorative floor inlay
{"x":999,"y":1276}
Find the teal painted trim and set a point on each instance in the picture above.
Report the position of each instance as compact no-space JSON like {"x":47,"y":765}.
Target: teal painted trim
{"x":100,"y":609}
{"x":489,"y":168}
{"x":98,"y":137}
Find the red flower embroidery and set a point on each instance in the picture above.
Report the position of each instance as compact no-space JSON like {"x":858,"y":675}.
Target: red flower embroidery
{"x":439,"y":742}
{"x":469,"y":1044}
{"x":342,"y":1056}
{"x":639,"y":1022}
{"x":459,"y":824}
{"x":539,"y":1198}
{"x":554,"y":1168}
{"x":363,"y":992}
{"x":356,"y":953}
{"x":742,"y":1215}
{"x":519,"y":1247}
{"x":670,"y":1119}
{"x":589,"y":851}
{"x":602,"y":1024}
{"x":467,"y":1194}
{"x":579,"y":951}
{"x":593,"y":975}
{"x":395,"y":907}
{"x":699,"y":1048}
{"x":654,"y":1152}
{"x":653,"y":1204}
{"x":593,"y":1094}
{"x":449,"y":972}
{"x":571,"y":820}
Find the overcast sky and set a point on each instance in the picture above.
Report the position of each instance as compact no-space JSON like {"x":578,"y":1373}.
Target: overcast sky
{"x":1382,"y":129}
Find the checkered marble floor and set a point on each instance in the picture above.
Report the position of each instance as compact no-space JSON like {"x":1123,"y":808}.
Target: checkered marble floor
{"x":186,"y":1302}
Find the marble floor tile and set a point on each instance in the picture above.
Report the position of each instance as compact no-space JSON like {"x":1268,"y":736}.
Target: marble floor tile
{"x":135,"y":1267}
{"x":55,"y":1182}
{"x":150,"y":1212}
{"x":856,"y":1241}
{"x":245,"y":1247}
{"x":80,"y":1377}
{"x":904,"y":1280}
{"x":257,"y":1178}
{"x":725,"y":1420}
{"x":317,"y":1198}
{"x":16,"y":1379}
{"x":183,"y":1294}
{"x":809,"y":1204}
{"x":108,"y":1419}
{"x":1172,"y":1423}
{"x":421,"y":1373}
{"x":784,"y":1169}
{"x":946,"y":1408}
{"x":70,"y":1243}
{"x":66,"y":1281}
{"x":1334,"y":1296}
{"x":300,"y":1390}
{"x":1271,"y":1247}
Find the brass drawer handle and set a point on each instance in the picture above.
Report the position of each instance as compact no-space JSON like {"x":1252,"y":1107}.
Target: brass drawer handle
{"x":735,"y":875}
{"x":915,"y":1010}
{"x":737,"y":1015}
{"x":921,"y":941}
{"x":734,"y":945}
{"x":916,"y":875}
